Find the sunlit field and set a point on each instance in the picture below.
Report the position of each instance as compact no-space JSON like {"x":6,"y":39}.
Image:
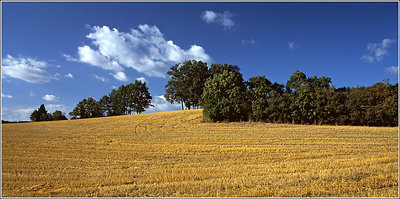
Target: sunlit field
{"x":177,"y":154}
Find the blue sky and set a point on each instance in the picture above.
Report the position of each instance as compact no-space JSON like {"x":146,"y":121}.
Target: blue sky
{"x":60,"y":53}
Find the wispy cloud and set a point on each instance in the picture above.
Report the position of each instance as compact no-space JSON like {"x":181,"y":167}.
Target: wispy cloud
{"x":144,"y":49}
{"x":376,"y":51}
{"x":248,"y":41}
{"x":70,"y":58}
{"x":392,"y":69}
{"x":48,"y":97}
{"x":224,"y":19}
{"x":103,"y":79}
{"x":292,"y":45}
{"x":25,"y":68}
{"x":6,"y":96}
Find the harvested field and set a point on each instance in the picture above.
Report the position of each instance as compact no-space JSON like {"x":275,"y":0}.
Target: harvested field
{"x":176,"y":154}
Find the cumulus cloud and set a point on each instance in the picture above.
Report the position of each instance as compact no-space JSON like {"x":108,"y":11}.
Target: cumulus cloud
{"x":69,"y":75}
{"x":48,"y":97}
{"x":144,"y":49}
{"x":6,"y":96}
{"x":376,"y":51}
{"x":24,"y":68}
{"x":392,"y":69}
{"x":142,"y":79}
{"x":161,"y":104}
{"x":103,"y":79}
{"x":224,"y":19}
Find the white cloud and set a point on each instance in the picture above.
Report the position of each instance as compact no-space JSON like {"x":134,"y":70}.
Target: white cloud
{"x":248,"y":41}
{"x":69,"y":75}
{"x":6,"y":96}
{"x":23,"y":114}
{"x":48,"y":97}
{"x":26,"y":69}
{"x":392,"y":69}
{"x":114,"y":87}
{"x":161,"y":104}
{"x":16,"y":114}
{"x":95,"y":58}
{"x":376,"y":51}
{"x":144,"y":49}
{"x":292,"y":44}
{"x":120,"y":76}
{"x":142,"y":79}
{"x":53,"y":107}
{"x":101,"y":78}
{"x":224,"y":19}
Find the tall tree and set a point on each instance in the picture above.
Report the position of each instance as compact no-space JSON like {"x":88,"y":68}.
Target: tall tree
{"x":259,"y":89}
{"x":186,"y":83}
{"x":106,"y":106}
{"x":301,"y":102}
{"x":139,"y":96}
{"x":41,"y":114}
{"x":175,"y":87}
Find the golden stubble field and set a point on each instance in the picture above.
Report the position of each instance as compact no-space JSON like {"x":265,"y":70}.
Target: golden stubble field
{"x":176,"y":154}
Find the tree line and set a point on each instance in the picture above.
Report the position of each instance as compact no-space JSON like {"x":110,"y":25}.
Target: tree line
{"x":225,"y":96}
{"x":127,"y":99}
{"x":41,"y":114}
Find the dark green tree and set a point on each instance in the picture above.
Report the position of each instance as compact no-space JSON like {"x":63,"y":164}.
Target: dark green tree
{"x":35,"y":116}
{"x":41,"y":115}
{"x":87,"y":108}
{"x":58,"y":115}
{"x":224,"y":97}
{"x":300,"y":104}
{"x":259,"y":89}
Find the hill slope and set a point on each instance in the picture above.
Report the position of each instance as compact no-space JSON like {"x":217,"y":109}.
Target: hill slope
{"x":176,"y":154}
